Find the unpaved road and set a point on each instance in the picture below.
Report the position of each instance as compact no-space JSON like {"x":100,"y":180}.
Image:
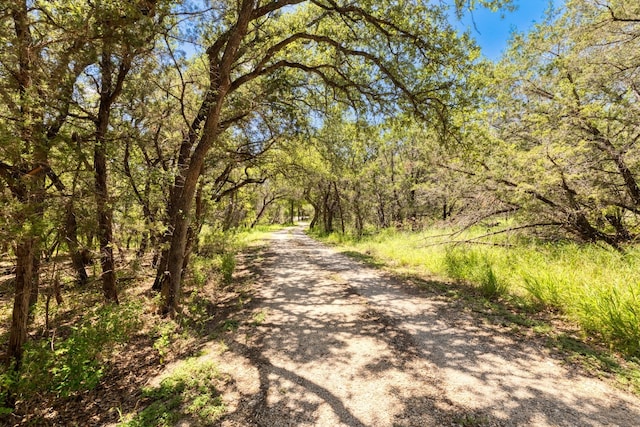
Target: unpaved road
{"x":336,"y":343}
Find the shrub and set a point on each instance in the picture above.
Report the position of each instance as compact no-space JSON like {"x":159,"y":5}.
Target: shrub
{"x":75,"y":363}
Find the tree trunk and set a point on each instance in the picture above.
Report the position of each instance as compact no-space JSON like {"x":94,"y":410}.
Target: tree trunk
{"x":172,"y":276}
{"x":103,"y":208}
{"x":327,"y":215}
{"x":210,"y":111}
{"x":144,"y":243}
{"x":105,"y":228}
{"x":359,"y":220}
{"x":263,"y":208}
{"x":25,"y":252}
{"x":291,"y":208}
{"x":337,"y":200}
{"x":230,"y":211}
{"x":381,"y":210}
{"x":71,"y":232}
{"x":162,"y":265}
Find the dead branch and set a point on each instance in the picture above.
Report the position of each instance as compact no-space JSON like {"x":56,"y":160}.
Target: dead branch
{"x":475,"y":240}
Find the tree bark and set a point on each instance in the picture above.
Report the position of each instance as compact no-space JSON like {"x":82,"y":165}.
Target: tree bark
{"x":316,"y":210}
{"x":194,"y":230}
{"x":35,"y":279}
{"x":71,"y":233}
{"x":359,"y":217}
{"x":103,"y":208}
{"x":30,"y":192}
{"x":172,"y":277}
{"x":105,"y":227}
{"x":25,"y":252}
{"x":265,"y":203}
{"x":221,"y":55}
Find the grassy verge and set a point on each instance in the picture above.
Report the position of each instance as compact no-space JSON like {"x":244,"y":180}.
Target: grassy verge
{"x":595,"y":288}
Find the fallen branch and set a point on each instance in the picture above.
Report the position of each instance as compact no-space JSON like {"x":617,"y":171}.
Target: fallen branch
{"x":474,"y":240}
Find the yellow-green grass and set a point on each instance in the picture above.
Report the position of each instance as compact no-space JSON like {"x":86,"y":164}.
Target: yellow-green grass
{"x":596,"y":287}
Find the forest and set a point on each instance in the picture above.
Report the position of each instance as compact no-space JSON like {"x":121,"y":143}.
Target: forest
{"x":139,"y":138}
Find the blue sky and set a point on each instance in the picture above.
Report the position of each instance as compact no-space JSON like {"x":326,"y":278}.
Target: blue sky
{"x":493,"y":30}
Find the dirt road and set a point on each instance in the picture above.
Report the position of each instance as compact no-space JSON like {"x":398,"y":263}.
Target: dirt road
{"x":336,"y":343}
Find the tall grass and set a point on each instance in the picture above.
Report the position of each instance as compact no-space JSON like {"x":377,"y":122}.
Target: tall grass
{"x":596,"y":287}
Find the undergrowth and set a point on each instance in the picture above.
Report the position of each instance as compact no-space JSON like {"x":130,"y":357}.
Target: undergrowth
{"x":75,"y":362}
{"x":188,"y":393}
{"x":217,"y":250}
{"x":72,"y":345}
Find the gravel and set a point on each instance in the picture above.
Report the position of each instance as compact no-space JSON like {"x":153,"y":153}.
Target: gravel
{"x":342,"y":344}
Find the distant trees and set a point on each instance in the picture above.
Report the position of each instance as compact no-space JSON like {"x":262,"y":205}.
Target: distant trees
{"x":552,"y":141}
{"x":266,"y":61}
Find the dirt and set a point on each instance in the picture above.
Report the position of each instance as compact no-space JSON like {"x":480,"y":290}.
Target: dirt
{"x":328,"y":341}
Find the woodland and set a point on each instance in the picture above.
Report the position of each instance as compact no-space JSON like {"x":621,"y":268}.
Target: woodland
{"x":146,"y":134}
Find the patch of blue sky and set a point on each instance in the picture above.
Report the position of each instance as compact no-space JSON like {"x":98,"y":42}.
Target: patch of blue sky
{"x":492,"y":30}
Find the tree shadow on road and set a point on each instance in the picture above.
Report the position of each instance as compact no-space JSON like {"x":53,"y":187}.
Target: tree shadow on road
{"x":304,"y":354}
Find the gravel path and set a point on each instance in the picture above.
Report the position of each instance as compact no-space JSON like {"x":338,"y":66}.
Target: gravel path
{"x":336,"y":343}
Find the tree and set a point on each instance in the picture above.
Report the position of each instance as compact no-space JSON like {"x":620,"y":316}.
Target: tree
{"x":122,"y":34}
{"x":389,"y":55}
{"x":53,"y":49}
{"x":567,"y":119}
{"x":38,"y":77}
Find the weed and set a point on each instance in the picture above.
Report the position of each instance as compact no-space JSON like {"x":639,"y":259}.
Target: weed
{"x":545,"y":291}
{"x":230,"y":325}
{"x":227,"y":266}
{"x":188,"y":393}
{"x":8,"y":380}
{"x":259,"y":318}
{"x":476,"y":268}
{"x":490,"y":286}
{"x":615,"y":316}
{"x":165,"y":334}
{"x":222,"y":347}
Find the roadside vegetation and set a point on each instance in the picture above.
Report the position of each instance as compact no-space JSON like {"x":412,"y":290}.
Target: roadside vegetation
{"x":592,"y":290}
{"x":76,"y":356}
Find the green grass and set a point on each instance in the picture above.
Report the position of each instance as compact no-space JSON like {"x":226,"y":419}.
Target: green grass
{"x":595,"y":287}
{"x":251,"y":236}
{"x":188,"y":393}
{"x":218,"y":249}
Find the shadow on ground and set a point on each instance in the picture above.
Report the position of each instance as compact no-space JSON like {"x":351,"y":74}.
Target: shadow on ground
{"x":344,"y":345}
